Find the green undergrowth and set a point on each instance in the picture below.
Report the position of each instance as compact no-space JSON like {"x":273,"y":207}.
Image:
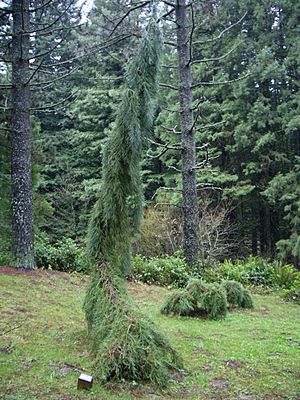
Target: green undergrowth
{"x":252,"y":354}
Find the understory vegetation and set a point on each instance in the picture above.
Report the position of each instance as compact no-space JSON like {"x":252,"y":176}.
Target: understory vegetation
{"x":252,"y":354}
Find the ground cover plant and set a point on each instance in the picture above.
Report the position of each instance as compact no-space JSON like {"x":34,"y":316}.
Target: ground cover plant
{"x":207,"y":299}
{"x":252,"y":354}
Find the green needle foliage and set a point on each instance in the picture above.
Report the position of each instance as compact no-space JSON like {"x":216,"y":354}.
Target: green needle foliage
{"x":247,"y":301}
{"x":208,"y":300}
{"x":234,"y":292}
{"x":126,"y":345}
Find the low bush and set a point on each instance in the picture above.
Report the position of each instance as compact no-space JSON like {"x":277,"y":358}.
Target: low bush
{"x":170,"y":271}
{"x":247,"y":301}
{"x":293,"y":295}
{"x":64,"y":255}
{"x":234,"y":293}
{"x":179,"y":303}
{"x":214,"y":301}
{"x":253,"y":271}
{"x":197,"y":299}
{"x":196,"y":288}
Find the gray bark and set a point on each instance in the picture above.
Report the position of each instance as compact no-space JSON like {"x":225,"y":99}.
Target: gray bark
{"x":22,"y":220}
{"x":190,"y":206}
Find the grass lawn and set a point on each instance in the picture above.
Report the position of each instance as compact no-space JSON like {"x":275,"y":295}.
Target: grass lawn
{"x":43,"y":345}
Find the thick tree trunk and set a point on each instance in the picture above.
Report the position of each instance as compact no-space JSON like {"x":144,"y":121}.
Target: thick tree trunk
{"x":190,"y":206}
{"x":22,"y":220}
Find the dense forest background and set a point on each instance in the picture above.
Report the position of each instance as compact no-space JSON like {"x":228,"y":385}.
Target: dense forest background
{"x":247,"y":130}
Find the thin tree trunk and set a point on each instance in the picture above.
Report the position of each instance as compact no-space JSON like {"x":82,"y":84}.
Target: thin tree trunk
{"x":190,"y":206}
{"x":22,"y":220}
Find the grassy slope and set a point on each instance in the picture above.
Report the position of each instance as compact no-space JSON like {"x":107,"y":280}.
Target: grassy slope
{"x":250,"y":355}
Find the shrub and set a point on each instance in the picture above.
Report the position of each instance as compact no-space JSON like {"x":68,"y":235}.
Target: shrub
{"x":180,"y":303}
{"x":159,"y":233}
{"x":196,"y":288}
{"x":214,"y":301}
{"x":247,"y":301}
{"x":65,"y":255}
{"x":197,"y":298}
{"x":234,"y":293}
{"x":285,"y":275}
{"x":170,"y":271}
{"x":293,"y":295}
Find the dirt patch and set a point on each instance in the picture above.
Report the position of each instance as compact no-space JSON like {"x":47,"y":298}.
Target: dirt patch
{"x":6,"y":350}
{"x":20,"y":309}
{"x":245,"y":397}
{"x":179,"y":376}
{"x":207,"y":368}
{"x":66,"y":368}
{"x":200,"y":349}
{"x":234,"y":364}
{"x":220,"y":383}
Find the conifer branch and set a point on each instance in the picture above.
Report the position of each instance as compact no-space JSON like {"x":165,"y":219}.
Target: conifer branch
{"x":175,"y":168}
{"x":126,"y":15}
{"x":55,"y":79}
{"x":205,"y":186}
{"x":206,"y":60}
{"x":212,"y":83}
{"x":221,"y":33}
{"x":211,"y":125}
{"x":172,"y":130}
{"x":54,"y":105}
{"x":164,"y":16}
{"x":167,"y":189}
{"x":165,"y":85}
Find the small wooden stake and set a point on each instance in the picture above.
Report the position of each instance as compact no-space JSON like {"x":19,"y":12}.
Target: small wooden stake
{"x":84,"y":381}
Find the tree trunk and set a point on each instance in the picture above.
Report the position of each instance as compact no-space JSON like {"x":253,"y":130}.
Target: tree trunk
{"x":190,"y":206}
{"x":22,"y":220}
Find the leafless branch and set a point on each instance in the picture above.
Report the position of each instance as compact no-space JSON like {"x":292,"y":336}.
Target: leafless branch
{"x":126,"y":15}
{"x":212,"y":83}
{"x":54,"y":105}
{"x":166,"y":189}
{"x":165,"y":85}
{"x":206,"y":60}
{"x":221,"y":33}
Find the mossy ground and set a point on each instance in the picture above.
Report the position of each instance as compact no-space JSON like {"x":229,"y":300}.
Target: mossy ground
{"x":252,"y":354}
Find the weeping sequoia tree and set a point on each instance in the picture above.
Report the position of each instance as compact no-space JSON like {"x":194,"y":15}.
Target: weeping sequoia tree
{"x":125,"y":343}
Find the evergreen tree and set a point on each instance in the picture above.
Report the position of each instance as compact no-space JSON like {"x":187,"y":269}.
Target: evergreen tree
{"x":125,"y":343}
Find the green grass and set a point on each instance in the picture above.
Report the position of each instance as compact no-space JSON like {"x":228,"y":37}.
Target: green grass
{"x":252,"y":354}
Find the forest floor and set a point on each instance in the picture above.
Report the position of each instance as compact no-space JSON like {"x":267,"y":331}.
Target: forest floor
{"x":252,"y":354}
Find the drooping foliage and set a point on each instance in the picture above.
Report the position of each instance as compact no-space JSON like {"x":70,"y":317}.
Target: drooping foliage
{"x":126,"y":345}
{"x":118,"y":209}
{"x":207,"y":299}
{"x":234,"y":292}
{"x":197,"y":299}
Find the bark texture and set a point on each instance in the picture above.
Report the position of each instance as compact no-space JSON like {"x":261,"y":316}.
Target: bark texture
{"x":190,"y":206}
{"x":22,"y":220}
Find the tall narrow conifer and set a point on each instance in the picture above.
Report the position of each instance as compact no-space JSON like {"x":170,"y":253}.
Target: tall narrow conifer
{"x":126,"y":344}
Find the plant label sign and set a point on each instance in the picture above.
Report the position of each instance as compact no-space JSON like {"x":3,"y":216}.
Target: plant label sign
{"x":84,"y":381}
